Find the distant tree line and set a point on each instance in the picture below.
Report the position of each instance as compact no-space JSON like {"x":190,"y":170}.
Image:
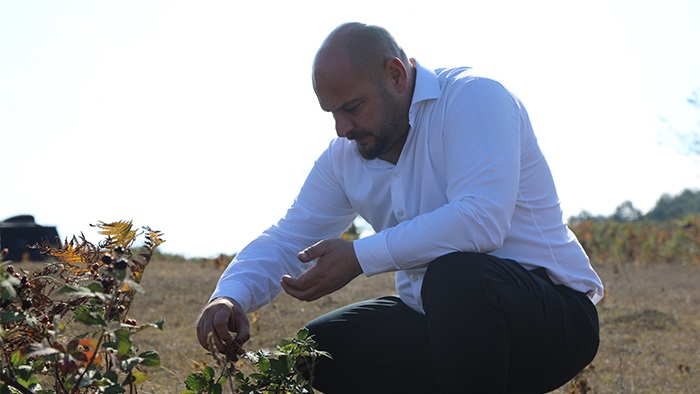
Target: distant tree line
{"x":667,"y":208}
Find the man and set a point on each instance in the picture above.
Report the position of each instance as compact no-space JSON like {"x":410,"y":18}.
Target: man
{"x":495,"y":294}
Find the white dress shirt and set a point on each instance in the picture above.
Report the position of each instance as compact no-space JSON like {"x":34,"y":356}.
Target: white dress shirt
{"x":471,"y":177}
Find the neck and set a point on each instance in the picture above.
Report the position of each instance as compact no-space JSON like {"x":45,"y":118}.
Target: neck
{"x":392,"y":156}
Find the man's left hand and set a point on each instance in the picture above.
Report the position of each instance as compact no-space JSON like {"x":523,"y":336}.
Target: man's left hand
{"x":336,"y":265}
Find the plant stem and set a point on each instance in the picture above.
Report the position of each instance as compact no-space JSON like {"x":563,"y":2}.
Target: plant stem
{"x":14,"y":384}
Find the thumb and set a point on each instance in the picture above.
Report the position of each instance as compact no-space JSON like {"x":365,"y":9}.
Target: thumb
{"x":311,"y":253}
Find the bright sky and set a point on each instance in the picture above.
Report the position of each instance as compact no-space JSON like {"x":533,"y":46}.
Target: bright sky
{"x":199,"y":120}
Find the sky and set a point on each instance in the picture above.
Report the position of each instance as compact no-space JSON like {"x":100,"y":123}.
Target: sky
{"x":198,"y":119}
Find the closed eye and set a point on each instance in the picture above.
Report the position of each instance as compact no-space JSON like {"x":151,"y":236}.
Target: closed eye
{"x":351,"y":109}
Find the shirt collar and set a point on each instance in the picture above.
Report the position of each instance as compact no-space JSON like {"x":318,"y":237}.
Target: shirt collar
{"x":427,"y":87}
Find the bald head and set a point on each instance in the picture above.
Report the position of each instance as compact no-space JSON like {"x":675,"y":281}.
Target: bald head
{"x":363,"y":48}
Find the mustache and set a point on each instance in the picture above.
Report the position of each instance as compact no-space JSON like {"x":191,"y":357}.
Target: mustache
{"x":353,"y":135}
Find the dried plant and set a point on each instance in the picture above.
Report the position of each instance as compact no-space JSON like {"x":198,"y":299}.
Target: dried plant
{"x":65,"y":327}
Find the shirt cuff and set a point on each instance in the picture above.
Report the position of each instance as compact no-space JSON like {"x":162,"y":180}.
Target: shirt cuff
{"x":373,"y":255}
{"x":234,"y":290}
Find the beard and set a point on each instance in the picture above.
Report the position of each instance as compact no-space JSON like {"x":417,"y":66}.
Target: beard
{"x":386,"y":135}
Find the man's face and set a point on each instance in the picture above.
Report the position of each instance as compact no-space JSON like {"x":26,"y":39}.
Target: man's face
{"x":364,"y":111}
{"x":375,"y":140}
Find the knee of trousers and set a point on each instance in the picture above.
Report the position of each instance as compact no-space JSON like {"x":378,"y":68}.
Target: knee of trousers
{"x":465,"y":271}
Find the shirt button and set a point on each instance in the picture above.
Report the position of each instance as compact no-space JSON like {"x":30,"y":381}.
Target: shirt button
{"x":397,"y":175}
{"x":414,"y":277}
{"x":400,"y":214}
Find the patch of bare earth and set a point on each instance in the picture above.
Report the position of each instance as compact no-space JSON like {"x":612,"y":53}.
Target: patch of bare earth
{"x":650,"y":331}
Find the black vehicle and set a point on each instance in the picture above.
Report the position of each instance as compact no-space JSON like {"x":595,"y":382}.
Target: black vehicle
{"x":19,"y":233}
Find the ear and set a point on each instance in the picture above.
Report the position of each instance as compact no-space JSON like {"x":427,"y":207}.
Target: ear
{"x":397,"y":74}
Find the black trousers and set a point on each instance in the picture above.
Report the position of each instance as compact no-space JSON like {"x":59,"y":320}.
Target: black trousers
{"x":490,"y":327}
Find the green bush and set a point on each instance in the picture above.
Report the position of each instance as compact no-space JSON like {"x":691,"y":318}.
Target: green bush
{"x":280,"y":371}
{"x":641,"y":242}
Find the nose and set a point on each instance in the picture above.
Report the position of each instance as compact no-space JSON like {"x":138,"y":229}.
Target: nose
{"x":343,"y":125}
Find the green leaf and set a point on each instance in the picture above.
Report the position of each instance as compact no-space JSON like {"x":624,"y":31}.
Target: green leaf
{"x":216,"y":388}
{"x":208,"y":373}
{"x":29,"y":380}
{"x":115,"y":389}
{"x":7,"y":288}
{"x":24,"y":374}
{"x":17,"y":359}
{"x":85,"y":316}
{"x":130,"y":363}
{"x":10,"y":316}
{"x":151,"y":358}
{"x":159,"y":324}
{"x":120,"y":275}
{"x":80,"y":291}
{"x":303,"y":334}
{"x":123,"y":342}
{"x":96,"y":287}
{"x":263,"y":364}
{"x":279,"y":367}
{"x":110,"y":345}
{"x":112,"y":376}
{"x":196,"y":382}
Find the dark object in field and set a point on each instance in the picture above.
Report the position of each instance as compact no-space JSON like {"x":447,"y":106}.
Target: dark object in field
{"x":19,"y":233}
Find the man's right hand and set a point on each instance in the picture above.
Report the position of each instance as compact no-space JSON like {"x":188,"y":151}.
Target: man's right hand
{"x":219,"y":318}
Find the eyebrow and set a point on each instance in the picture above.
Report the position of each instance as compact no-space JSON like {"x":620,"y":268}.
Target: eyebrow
{"x":345,"y":105}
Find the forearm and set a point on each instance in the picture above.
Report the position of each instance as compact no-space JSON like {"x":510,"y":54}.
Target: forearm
{"x":252,"y":278}
{"x":416,"y":242}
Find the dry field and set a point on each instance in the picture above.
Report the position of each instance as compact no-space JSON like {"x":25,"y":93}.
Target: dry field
{"x":650,"y":324}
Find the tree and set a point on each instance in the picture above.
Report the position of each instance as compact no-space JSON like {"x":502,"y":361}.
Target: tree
{"x":584,"y":216}
{"x":674,"y":207}
{"x":693,"y":142}
{"x":666,"y":208}
{"x":626,"y":212}
{"x":688,"y":141}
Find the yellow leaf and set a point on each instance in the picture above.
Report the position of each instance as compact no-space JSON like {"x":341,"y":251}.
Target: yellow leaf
{"x":118,"y":233}
{"x":139,"y":377}
{"x":71,"y":253}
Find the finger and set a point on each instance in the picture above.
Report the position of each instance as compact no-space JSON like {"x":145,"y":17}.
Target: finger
{"x":290,"y":285}
{"x":242,"y":328}
{"x":207,"y":337}
{"x":205,"y":330}
{"x":306,"y":255}
{"x":312,"y":252}
{"x":202,"y":332}
{"x":304,"y":293}
{"x":221,"y":335}
{"x":304,"y":282}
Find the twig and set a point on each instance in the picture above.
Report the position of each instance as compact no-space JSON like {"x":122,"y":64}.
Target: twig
{"x":14,"y":384}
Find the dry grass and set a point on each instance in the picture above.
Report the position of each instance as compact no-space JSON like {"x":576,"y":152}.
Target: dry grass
{"x":650,"y":331}
{"x":176,"y":291}
{"x":650,"y":325}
